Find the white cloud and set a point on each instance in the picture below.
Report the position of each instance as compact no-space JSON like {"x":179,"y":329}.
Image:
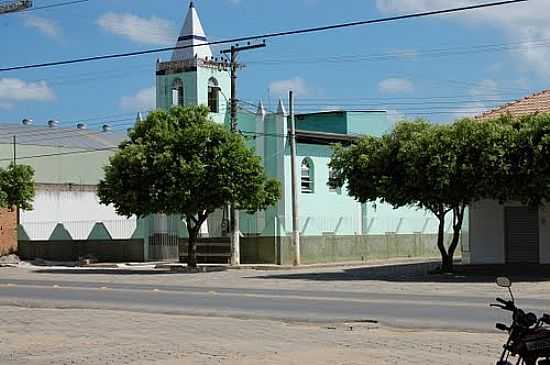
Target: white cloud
{"x":44,"y":25}
{"x":395,"y":86}
{"x":522,"y":22}
{"x":395,"y":116}
{"x":143,"y":100}
{"x":480,"y":93}
{"x":404,"y":54}
{"x":15,"y":90}
{"x":151,"y":30}
{"x":297,"y":84}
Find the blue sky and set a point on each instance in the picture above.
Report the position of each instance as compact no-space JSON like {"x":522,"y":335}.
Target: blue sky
{"x":440,"y":68}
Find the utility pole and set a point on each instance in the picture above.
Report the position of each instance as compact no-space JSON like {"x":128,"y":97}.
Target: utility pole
{"x":295,"y":217}
{"x":17,"y":218}
{"x":234,"y":213}
{"x":14,"y":150}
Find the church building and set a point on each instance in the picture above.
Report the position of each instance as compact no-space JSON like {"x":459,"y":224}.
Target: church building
{"x":333,"y":225}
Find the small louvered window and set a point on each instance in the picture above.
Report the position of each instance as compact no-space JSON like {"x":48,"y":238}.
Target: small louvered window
{"x":307,"y":176}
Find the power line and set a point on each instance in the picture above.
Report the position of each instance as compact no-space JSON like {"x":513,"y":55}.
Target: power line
{"x":405,"y":54}
{"x":78,"y":79}
{"x":62,"y":153}
{"x":264,"y":36}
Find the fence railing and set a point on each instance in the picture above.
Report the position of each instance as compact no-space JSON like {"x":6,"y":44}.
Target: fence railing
{"x":164,"y":228}
{"x":80,"y":230}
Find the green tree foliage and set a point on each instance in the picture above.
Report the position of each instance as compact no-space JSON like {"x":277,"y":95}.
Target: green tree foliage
{"x":441,"y":168}
{"x":526,"y":173}
{"x":17,"y":187}
{"x":180,"y":162}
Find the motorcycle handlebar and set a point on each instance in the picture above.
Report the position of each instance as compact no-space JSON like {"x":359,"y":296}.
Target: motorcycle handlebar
{"x":502,"y":327}
{"x":505,"y":302}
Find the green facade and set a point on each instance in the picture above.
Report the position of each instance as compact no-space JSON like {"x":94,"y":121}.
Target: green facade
{"x":374,"y":123}
{"x":195,"y":79}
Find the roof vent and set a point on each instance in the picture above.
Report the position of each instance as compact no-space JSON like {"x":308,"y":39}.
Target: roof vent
{"x":106,"y":128}
{"x":27,"y":121}
{"x":81,"y":126}
{"x":53,"y":123}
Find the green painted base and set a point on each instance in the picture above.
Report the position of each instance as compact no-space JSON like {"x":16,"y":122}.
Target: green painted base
{"x":326,"y":249}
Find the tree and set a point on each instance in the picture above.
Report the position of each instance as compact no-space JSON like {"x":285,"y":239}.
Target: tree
{"x":527,"y":172}
{"x":17,"y":187}
{"x":180,"y":162}
{"x":441,"y":168}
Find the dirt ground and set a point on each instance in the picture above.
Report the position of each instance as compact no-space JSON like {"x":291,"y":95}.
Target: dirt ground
{"x":65,"y":337}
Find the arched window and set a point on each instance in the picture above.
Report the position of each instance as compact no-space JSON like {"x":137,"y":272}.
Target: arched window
{"x":307,"y":176}
{"x":213,"y":95}
{"x":177,"y":93}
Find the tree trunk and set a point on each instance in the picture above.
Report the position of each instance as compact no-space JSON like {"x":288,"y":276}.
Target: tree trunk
{"x":447,"y":255}
{"x":192,"y":249}
{"x":458,"y":218}
{"x":193,"y":231}
{"x":446,"y":264}
{"x":193,"y":227}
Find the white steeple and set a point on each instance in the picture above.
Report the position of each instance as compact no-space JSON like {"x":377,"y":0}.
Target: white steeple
{"x":192,"y":34}
{"x":261,"y":110}
{"x":281,"y":108}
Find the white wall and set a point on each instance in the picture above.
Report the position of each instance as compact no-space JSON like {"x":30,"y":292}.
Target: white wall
{"x":79,"y":211}
{"x":487,"y":233}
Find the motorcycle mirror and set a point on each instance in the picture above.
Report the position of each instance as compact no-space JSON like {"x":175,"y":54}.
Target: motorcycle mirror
{"x":504,"y":282}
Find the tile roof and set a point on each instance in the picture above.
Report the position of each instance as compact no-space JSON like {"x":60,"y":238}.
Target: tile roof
{"x":536,"y":103}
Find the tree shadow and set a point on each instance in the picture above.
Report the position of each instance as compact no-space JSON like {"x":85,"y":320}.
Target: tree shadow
{"x":424,"y":273}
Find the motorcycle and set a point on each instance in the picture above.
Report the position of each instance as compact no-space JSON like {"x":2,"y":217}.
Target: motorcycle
{"x":528,"y":336}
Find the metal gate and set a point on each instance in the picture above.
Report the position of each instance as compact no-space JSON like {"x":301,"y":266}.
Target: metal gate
{"x":522,"y":235}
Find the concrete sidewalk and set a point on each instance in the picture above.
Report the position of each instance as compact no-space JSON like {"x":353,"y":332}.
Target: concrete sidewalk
{"x":87,"y":337}
{"x":395,"y":277}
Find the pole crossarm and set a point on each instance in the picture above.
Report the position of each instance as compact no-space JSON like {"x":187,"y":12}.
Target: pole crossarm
{"x":14,"y":6}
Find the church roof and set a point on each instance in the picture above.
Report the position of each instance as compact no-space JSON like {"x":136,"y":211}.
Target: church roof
{"x":193,"y":37}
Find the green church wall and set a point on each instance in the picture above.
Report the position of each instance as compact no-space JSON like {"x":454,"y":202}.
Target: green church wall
{"x":372,"y":123}
{"x":224,"y":82}
{"x":322,"y":211}
{"x":195,"y":83}
{"x":328,"y":122}
{"x":341,"y":248}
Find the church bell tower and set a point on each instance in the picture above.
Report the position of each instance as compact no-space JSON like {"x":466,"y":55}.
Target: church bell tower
{"x":194,"y":76}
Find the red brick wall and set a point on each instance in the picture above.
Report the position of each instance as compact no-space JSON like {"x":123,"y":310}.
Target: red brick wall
{"x":8,"y":232}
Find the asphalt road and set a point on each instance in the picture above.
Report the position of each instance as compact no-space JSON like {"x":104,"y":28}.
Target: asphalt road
{"x":438,"y":312}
